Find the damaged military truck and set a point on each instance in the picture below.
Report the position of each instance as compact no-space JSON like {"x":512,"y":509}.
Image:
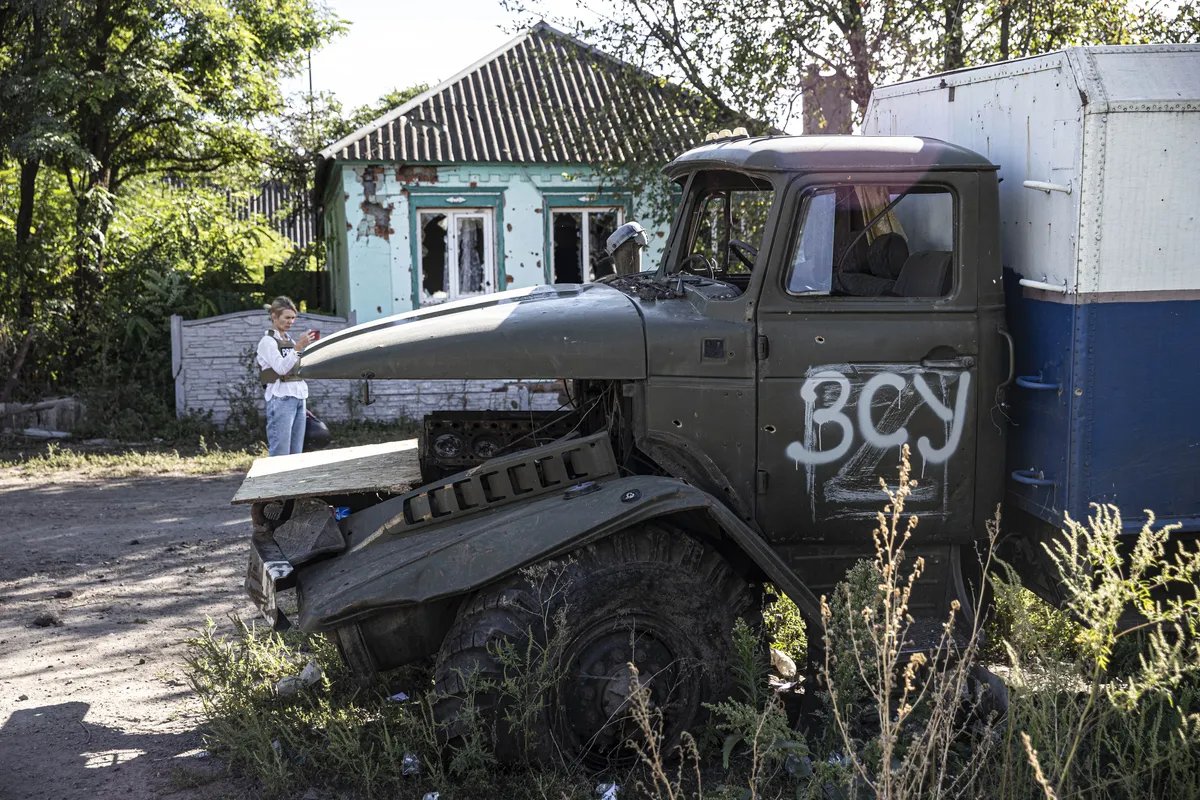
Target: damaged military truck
{"x":727,"y":420}
{"x":822,"y":302}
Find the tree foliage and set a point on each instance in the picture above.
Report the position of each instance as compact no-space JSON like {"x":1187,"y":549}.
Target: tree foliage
{"x":96,"y":97}
{"x":812,"y":64}
{"x":767,"y":59}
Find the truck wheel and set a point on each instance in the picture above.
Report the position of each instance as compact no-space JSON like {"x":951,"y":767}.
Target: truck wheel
{"x":650,"y":595}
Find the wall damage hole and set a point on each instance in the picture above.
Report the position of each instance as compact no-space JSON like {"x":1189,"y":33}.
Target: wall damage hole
{"x":820,"y":340}
{"x":769,"y":429}
{"x":417,"y":174}
{"x":677,"y":423}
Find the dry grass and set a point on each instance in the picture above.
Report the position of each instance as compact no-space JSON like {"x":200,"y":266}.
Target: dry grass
{"x":217,"y":454}
{"x":56,"y":461}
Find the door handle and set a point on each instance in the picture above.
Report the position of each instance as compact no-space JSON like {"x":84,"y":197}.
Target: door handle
{"x":1037,"y":383}
{"x":1031,"y":477}
{"x":961,"y":362}
{"x":1012,"y":357}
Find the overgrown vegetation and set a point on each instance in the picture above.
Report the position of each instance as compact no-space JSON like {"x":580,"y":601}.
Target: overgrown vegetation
{"x":897,"y":708}
{"x":103,"y":102}
{"x":132,"y":135}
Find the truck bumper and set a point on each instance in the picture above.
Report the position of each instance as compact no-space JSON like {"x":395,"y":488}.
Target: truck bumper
{"x":269,"y":573}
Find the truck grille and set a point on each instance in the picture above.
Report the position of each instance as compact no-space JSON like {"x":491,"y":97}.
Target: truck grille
{"x":454,"y":441}
{"x":529,"y":473}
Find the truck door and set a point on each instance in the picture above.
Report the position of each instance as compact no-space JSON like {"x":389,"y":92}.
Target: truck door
{"x":869,"y":339}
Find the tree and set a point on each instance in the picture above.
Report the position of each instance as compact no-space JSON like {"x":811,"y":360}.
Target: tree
{"x":754,"y":58}
{"x":106,"y":91}
{"x":758,"y":58}
{"x":33,"y":95}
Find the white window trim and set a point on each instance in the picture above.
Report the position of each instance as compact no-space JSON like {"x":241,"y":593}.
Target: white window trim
{"x":489,"y":252}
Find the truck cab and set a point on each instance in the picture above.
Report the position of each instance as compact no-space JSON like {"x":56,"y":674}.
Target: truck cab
{"x":840,"y":298}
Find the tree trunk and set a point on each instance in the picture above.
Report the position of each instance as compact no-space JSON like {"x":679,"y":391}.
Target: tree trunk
{"x":1005,"y":29}
{"x":90,"y":229}
{"x":29,"y":173}
{"x":827,"y":100}
{"x":13,"y":379}
{"x":952,"y":35}
{"x":24,"y":230}
{"x":860,"y":83}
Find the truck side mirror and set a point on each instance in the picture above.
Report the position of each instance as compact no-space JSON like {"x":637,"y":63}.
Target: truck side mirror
{"x":625,"y":245}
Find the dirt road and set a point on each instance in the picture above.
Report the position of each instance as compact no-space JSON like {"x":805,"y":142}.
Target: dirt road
{"x":100,"y":583}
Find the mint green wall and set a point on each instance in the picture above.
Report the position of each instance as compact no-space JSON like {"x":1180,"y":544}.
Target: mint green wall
{"x":336,"y":253}
{"x":373,"y":262}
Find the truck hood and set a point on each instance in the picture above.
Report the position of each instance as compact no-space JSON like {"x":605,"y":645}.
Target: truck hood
{"x":560,"y":331}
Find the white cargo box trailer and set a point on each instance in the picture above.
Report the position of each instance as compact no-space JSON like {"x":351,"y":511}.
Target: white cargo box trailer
{"x":1099,"y":156}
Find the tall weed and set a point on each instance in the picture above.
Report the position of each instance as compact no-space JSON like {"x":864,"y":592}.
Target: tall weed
{"x":1099,"y":728}
{"x":901,"y":700}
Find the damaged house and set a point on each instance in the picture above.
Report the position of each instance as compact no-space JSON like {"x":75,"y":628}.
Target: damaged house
{"x":488,"y":181}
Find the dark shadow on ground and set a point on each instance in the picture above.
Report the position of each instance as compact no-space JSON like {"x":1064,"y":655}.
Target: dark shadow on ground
{"x":95,"y":761}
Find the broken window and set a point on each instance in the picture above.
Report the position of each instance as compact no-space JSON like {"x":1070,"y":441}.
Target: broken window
{"x":456,"y":254}
{"x":577,"y":240}
{"x":727,"y":224}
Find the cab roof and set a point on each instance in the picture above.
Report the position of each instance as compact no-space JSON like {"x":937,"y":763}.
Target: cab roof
{"x":820,"y":153}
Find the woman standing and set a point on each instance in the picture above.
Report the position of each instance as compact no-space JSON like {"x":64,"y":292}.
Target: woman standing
{"x":286,"y":394}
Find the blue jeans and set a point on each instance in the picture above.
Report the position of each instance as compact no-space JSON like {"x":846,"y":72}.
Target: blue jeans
{"x":285,"y":426}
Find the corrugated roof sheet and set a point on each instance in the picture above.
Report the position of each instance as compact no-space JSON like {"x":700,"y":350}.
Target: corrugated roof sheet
{"x":545,"y":97}
{"x":287,"y":209}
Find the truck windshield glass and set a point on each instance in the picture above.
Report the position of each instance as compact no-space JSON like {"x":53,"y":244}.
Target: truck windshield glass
{"x":906,"y":252}
{"x":727,"y":226}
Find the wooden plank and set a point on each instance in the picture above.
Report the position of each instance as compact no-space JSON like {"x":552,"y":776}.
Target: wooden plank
{"x":388,"y":467}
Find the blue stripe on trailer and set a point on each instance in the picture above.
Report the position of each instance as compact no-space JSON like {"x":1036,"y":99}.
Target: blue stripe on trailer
{"x":1105,"y":408}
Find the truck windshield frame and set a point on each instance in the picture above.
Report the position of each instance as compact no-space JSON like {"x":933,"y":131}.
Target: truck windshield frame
{"x":721,"y":206}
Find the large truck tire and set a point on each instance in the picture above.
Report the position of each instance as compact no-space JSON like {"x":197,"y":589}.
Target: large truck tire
{"x":650,"y":595}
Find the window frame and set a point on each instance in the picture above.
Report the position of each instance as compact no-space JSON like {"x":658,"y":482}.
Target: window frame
{"x":585,"y":240}
{"x":801,"y":206}
{"x":702,"y":195}
{"x":423,"y":199}
{"x":583,"y":198}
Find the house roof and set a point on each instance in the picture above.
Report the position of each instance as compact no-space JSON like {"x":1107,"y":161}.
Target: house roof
{"x":544,"y":97}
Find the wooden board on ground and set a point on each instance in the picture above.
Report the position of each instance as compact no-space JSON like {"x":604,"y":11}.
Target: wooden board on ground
{"x":390,"y":467}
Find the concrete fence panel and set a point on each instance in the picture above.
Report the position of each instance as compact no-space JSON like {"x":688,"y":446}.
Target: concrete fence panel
{"x":215,"y":374}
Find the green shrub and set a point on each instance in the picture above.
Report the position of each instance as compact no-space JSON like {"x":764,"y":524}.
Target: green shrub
{"x":1099,"y":732}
